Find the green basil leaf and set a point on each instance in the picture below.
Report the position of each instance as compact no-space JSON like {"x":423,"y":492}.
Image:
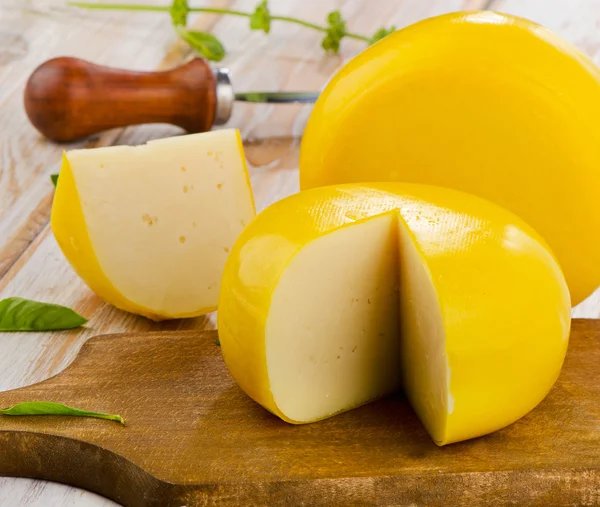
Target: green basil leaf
{"x":336,"y":30}
{"x":204,"y":43}
{"x":17,"y":314}
{"x":54,"y":179}
{"x":218,"y":342}
{"x":50,"y":408}
{"x":381,"y":33}
{"x":261,"y":18}
{"x":179,"y":12}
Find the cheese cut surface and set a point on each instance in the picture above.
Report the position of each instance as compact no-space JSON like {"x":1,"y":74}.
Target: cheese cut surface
{"x":149,"y":228}
{"x":333,"y":295}
{"x":482,"y":102}
{"x":424,"y":361}
{"x":339,"y":347}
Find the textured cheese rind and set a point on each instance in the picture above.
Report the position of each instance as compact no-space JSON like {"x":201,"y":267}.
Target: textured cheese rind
{"x":502,"y":298}
{"x":158,"y":220}
{"x":481,"y":102}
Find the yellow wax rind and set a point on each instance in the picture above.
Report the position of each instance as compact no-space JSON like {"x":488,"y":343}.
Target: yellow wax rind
{"x":483,"y":310}
{"x":482,"y":102}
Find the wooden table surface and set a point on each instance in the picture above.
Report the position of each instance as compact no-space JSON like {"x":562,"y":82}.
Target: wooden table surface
{"x":290,"y":58}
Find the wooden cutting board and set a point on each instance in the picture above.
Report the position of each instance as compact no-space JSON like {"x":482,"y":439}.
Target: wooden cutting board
{"x":193,"y":438}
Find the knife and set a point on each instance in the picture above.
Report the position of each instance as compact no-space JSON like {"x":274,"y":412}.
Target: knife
{"x":67,"y":99}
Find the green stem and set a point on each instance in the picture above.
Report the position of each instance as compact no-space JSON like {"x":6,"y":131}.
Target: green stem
{"x":210,"y":10}
{"x":357,"y":36}
{"x":299,"y":22}
{"x":152,"y":8}
{"x":220,"y":11}
{"x":316,"y":27}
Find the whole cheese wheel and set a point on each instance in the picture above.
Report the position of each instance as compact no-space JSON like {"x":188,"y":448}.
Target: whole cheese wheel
{"x":482,"y":102}
{"x":336,"y":296}
{"x":149,"y":228}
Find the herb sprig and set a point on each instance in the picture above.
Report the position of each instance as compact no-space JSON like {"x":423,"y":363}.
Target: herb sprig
{"x":32,"y":408}
{"x":18,"y":314}
{"x":209,"y":46}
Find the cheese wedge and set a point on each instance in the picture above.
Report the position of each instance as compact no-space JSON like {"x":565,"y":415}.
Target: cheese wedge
{"x":149,"y":228}
{"x":336,"y":296}
{"x":482,"y":102}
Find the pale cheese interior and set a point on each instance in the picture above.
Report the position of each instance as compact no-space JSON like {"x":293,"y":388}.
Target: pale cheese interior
{"x":162,"y":217}
{"x":332,"y":330}
{"x":336,"y":333}
{"x":424,"y":364}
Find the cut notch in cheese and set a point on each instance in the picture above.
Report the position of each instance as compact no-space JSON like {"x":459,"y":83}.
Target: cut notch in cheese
{"x":149,"y":228}
{"x":372,"y":316}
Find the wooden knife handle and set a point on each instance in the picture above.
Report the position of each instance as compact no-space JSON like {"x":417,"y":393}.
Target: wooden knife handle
{"x":68,"y":99}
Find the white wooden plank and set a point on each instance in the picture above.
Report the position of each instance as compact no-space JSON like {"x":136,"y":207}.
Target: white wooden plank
{"x":40,"y":30}
{"x":32,"y":493}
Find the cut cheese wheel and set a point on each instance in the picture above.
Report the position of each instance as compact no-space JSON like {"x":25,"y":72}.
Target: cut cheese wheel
{"x":149,"y":228}
{"x":481,"y":102}
{"x":336,"y":296}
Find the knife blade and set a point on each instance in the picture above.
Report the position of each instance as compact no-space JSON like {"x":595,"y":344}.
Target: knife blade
{"x":277,"y":97}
